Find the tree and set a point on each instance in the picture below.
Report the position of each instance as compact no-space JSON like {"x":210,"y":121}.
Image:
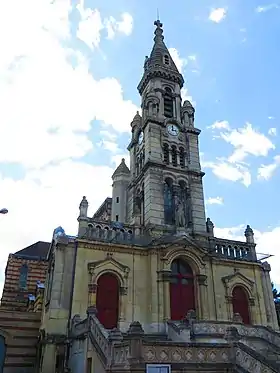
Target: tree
{"x":276,"y":294}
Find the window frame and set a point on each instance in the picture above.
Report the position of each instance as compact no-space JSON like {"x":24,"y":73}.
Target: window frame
{"x":168,"y":366}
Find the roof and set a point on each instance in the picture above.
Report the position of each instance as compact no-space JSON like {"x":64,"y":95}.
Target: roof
{"x":160,"y":50}
{"x":37,"y":250}
{"x":121,"y":169}
{"x":160,"y":62}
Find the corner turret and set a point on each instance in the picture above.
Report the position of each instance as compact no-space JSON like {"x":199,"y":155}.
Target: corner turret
{"x":121,"y":179}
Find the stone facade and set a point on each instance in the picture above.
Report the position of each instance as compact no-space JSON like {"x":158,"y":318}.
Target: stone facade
{"x":152,"y":284}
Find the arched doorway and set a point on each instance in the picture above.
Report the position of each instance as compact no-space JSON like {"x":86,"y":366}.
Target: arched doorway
{"x":240,"y":304}
{"x":107,"y":300}
{"x":182,"y":297}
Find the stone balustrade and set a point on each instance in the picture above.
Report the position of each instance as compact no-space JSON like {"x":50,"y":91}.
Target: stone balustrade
{"x":234,"y":249}
{"x":104,"y":232}
{"x":134,"y":348}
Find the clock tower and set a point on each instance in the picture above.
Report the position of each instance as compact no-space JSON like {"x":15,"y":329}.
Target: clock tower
{"x":165,"y":193}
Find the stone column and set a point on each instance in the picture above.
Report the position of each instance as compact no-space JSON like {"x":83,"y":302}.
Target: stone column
{"x":92,"y":289}
{"x":203,"y":295}
{"x":135,"y":335}
{"x":123,"y":294}
{"x":165,"y":278}
{"x":268,"y":297}
{"x":49,"y":358}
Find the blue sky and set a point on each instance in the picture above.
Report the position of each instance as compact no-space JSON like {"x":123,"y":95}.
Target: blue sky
{"x":68,"y":93}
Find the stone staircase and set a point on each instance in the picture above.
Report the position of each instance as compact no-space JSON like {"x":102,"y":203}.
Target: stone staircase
{"x":254,"y":348}
{"x":23,"y":331}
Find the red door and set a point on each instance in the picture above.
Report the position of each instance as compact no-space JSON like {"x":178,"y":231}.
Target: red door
{"x":240,"y":304}
{"x":182,"y":297}
{"x":107,"y":300}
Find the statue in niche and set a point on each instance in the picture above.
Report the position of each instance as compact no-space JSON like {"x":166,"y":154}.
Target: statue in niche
{"x":180,"y":216}
{"x":137,"y":205}
{"x":185,"y":119}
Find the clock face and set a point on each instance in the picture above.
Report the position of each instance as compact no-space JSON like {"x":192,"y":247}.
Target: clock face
{"x":173,"y":129}
{"x":140,"y":138}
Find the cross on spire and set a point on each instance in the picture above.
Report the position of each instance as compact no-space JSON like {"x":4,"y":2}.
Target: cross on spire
{"x":158,"y":23}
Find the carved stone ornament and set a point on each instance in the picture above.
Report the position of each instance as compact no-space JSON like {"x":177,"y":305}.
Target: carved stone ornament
{"x":110,"y":264}
{"x":238,"y":279}
{"x":123,"y":290}
{"x":202,"y":279}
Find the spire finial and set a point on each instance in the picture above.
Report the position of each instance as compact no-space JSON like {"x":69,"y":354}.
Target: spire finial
{"x":158,"y":31}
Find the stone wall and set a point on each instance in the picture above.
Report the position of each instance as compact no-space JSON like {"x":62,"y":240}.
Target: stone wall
{"x":14,"y":297}
{"x":22,"y":329}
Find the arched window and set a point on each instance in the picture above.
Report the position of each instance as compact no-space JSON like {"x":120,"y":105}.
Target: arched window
{"x":240,"y":304}
{"x":107,"y":300}
{"x":168,"y":202}
{"x":166,"y":153}
{"x":182,"y":297}
{"x":168,"y":103}
{"x":166,"y":59}
{"x":182,"y":157}
{"x":23,"y":276}
{"x":174,"y":155}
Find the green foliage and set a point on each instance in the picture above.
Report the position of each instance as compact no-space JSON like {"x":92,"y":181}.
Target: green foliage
{"x":276,"y":294}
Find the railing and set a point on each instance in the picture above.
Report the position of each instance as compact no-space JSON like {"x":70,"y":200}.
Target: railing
{"x":251,"y":362}
{"x":234,"y":249}
{"x":216,"y":329}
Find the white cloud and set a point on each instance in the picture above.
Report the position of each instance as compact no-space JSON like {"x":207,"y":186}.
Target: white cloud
{"x":217,"y":15}
{"x":270,"y":118}
{"x":265,"y":8}
{"x":126,"y":24}
{"x":179,"y":61}
{"x":265,"y":172}
{"x":49,"y":100}
{"x":226,"y":171}
{"x":222,"y":124}
{"x":47,"y":198}
{"x":91,"y":25}
{"x":268,"y":242}
{"x":247,"y":141}
{"x":116,"y":159}
{"x":110,"y":145}
{"x":215,"y":201}
{"x":55,"y":102}
{"x":272,"y":131}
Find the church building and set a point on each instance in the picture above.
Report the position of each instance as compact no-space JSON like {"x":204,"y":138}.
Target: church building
{"x":145,"y":285}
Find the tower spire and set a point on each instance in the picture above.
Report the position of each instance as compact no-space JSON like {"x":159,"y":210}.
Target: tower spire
{"x":160,"y":61}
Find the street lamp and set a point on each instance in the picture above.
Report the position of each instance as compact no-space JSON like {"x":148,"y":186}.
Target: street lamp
{"x":3,"y":211}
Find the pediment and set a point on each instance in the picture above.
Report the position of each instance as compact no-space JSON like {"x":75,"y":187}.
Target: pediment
{"x":180,"y":240}
{"x":109,"y":263}
{"x":184,"y":246}
{"x":237,"y":278}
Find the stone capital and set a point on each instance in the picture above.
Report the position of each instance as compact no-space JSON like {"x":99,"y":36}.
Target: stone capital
{"x":123,"y":290}
{"x":202,"y":279}
{"x":164,"y":275}
{"x":92,"y":288}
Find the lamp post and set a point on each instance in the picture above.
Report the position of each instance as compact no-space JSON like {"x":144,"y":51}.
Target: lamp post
{"x":3,"y":211}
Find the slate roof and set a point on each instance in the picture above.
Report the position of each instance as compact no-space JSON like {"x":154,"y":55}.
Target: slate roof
{"x":121,"y":169}
{"x":37,"y":250}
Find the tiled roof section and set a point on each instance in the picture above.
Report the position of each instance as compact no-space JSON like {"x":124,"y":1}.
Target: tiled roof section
{"x":121,"y":169}
{"x":37,"y":250}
